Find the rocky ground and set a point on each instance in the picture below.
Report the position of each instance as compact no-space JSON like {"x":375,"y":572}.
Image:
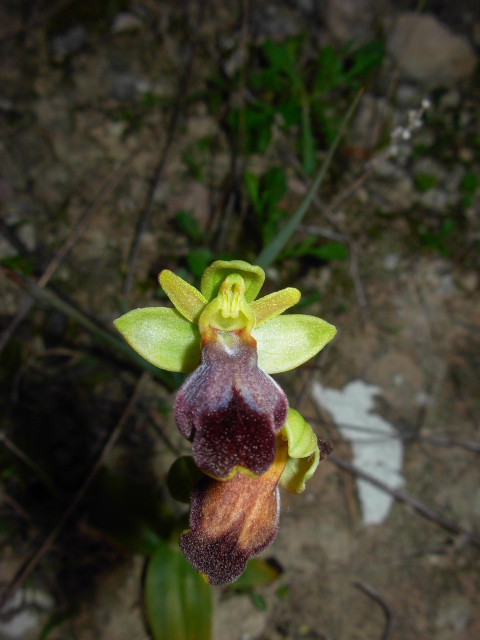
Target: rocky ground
{"x":101,"y":109}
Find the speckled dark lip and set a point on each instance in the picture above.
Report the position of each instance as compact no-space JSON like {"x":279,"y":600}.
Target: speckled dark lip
{"x":229,"y":408}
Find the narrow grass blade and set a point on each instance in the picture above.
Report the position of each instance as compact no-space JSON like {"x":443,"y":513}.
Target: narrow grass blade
{"x":103,"y":336}
{"x":271,"y":251}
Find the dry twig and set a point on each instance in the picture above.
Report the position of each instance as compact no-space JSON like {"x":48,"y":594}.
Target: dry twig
{"x":107,"y":188}
{"x":421,"y":508}
{"x":374,"y":595}
{"x":147,"y":208}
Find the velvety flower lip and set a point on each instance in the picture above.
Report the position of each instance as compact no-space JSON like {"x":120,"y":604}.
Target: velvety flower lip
{"x":229,"y":408}
{"x":232,"y":521}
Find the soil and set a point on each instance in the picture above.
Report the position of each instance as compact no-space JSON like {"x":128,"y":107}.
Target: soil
{"x":407,"y":312}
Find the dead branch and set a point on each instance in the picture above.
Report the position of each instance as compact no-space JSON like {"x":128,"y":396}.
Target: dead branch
{"x":421,"y":508}
{"x":376,"y":597}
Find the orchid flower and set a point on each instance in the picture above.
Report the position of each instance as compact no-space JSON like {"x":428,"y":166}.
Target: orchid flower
{"x":233,"y":412}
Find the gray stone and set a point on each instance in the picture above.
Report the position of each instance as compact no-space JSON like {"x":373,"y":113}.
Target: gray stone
{"x":408,"y":96}
{"x":451,"y":99}
{"x":126,"y":86}
{"x":434,"y":199}
{"x":351,"y":20}
{"x":371,"y":111}
{"x":428,"y":52}
{"x":69,"y":42}
{"x":430,"y":167}
{"x":125,"y":22}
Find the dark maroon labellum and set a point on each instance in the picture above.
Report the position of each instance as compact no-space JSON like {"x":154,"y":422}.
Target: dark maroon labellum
{"x":229,"y":408}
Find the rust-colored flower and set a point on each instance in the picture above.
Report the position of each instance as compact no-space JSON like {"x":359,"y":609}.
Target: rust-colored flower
{"x":233,"y":521}
{"x":230,"y":409}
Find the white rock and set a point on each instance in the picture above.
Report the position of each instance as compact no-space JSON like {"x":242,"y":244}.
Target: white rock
{"x":376,"y":447}
{"x":69,"y":42}
{"x":124,"y":22}
{"x":428,"y":52}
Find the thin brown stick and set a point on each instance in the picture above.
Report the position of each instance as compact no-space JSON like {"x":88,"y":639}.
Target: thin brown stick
{"x":106,"y":189}
{"x":376,"y":597}
{"x":27,"y":461}
{"x":421,"y":508}
{"x":147,"y":208}
{"x":34,"y":559}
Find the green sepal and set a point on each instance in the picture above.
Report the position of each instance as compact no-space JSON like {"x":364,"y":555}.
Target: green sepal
{"x":274,"y":304}
{"x":216,"y":273}
{"x":303,"y":453}
{"x":188,"y":300}
{"x":163,"y":337}
{"x":286,"y":342}
{"x":181,"y":477}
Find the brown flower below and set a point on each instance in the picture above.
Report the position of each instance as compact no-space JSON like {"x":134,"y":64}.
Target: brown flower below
{"x":233,"y":521}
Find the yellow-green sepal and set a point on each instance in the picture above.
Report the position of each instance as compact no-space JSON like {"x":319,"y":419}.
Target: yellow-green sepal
{"x":163,"y":337}
{"x":216,"y":273}
{"x":188,"y":300}
{"x":286,"y":342}
{"x":274,"y":304}
{"x":303,"y":453}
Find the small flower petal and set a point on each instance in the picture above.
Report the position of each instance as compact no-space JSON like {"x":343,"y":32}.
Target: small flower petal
{"x":274,"y":304}
{"x":216,"y":273}
{"x":188,"y":300}
{"x":304,"y":452}
{"x":229,"y":408}
{"x":232,"y":521}
{"x":286,"y":342}
{"x":163,"y":337}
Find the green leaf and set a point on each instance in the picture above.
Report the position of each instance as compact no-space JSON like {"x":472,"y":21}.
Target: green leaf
{"x":188,"y":300}
{"x":257,"y":573}
{"x":163,"y":337}
{"x":258,"y":601}
{"x":274,"y":304}
{"x":469,"y":183}
{"x":273,"y":187}
{"x":367,"y":57}
{"x":18,"y":263}
{"x":252,"y":184}
{"x":329,"y":251}
{"x":181,"y":477}
{"x":286,"y":342}
{"x":330,"y":71}
{"x":425,"y":181}
{"x":216,"y":273}
{"x":198,"y":260}
{"x":188,"y":225}
{"x":178,"y":602}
